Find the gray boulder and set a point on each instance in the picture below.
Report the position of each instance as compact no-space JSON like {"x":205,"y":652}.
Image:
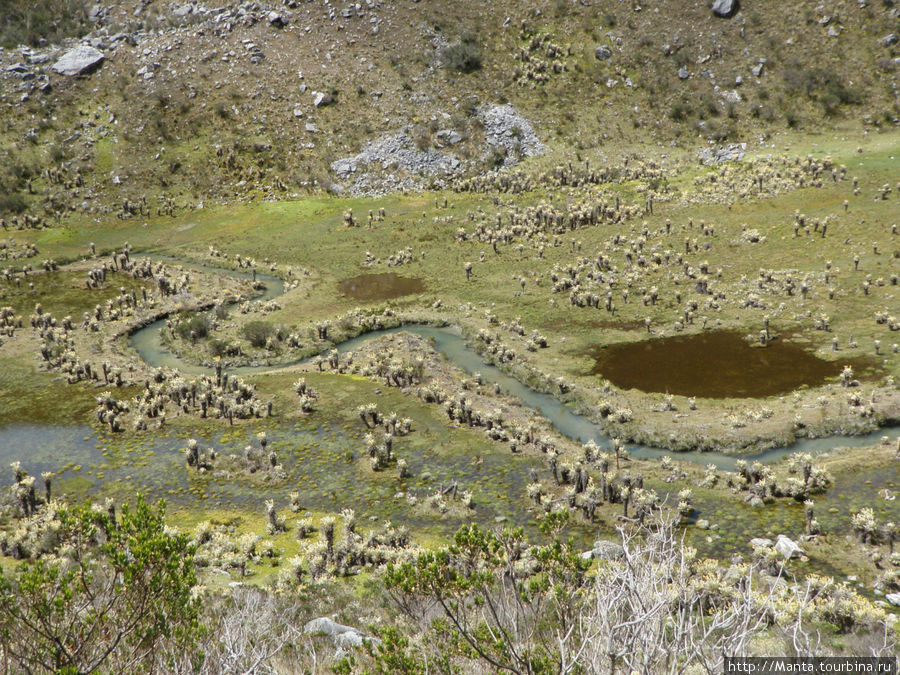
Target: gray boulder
{"x":343,"y":637}
{"x":893,"y":598}
{"x":760,"y":542}
{"x":607,"y":550}
{"x":602,"y":52}
{"x":724,"y":8}
{"x":325,"y":626}
{"x":507,"y":130}
{"x":321,"y":99}
{"x":889,"y":40}
{"x":276,"y":19}
{"x":449,"y":136}
{"x":82,"y":59}
{"x":344,"y":167}
{"x":788,"y":548}
{"x":183,"y":10}
{"x":683,"y":73}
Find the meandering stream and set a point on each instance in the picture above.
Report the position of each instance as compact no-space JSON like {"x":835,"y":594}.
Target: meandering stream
{"x":324,"y":463}
{"x":449,"y":342}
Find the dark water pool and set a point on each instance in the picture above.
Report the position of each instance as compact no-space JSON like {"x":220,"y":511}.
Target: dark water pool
{"x":373,"y":287}
{"x":718,"y":364}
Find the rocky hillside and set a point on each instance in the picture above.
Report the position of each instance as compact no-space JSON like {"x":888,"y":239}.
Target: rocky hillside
{"x":151,"y":106}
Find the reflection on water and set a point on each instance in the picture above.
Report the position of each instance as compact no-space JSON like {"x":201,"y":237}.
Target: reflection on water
{"x":328,"y":466}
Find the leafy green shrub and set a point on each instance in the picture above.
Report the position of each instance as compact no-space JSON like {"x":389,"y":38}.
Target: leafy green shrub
{"x":495,"y":158}
{"x":708,"y":107}
{"x":122,"y":601}
{"x":222,"y":110}
{"x":258,"y":332}
{"x":217,"y":347}
{"x":30,"y":21}
{"x":12,"y":203}
{"x":822,"y":85}
{"x":792,"y":118}
{"x":463,"y":56}
{"x":192,"y":327}
{"x":680,"y":111}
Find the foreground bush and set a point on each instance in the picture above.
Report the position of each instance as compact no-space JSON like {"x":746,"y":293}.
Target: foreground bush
{"x":116,"y":598}
{"x":29,"y":21}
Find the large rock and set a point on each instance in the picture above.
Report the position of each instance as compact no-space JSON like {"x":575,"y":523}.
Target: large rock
{"x":725,"y":153}
{"x":724,"y":8}
{"x":343,"y":637}
{"x":787,"y":547}
{"x":321,"y":98}
{"x":344,"y":167}
{"x":893,"y":598}
{"x":760,"y":542}
{"x":325,"y":626}
{"x":82,"y":59}
{"x":607,"y":550}
{"x":449,"y":136}
{"x":398,"y":150}
{"x":602,"y":52}
{"x":505,"y":129}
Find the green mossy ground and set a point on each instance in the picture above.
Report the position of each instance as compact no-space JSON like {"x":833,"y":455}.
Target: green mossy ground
{"x":321,"y":451}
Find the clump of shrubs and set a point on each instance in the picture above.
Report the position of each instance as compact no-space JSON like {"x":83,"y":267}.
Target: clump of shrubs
{"x":463,"y":56}
{"x":193,"y":327}
{"x":257,"y":333}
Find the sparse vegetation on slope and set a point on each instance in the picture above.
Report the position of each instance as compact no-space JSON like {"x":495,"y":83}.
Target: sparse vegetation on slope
{"x":464,"y":337}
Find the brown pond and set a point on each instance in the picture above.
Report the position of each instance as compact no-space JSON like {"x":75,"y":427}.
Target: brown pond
{"x":713,"y":365}
{"x":371,"y":287}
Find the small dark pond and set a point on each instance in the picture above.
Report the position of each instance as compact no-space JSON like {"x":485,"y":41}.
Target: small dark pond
{"x":372,"y":287}
{"x":713,"y":365}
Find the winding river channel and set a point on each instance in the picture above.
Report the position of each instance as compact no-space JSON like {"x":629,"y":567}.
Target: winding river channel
{"x":449,"y":342}
{"x":322,"y":462}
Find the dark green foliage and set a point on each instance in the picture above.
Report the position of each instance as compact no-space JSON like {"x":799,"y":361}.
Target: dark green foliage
{"x":192,"y":327}
{"x":392,"y":656}
{"x":30,"y":21}
{"x":463,"y":56}
{"x":257,"y":332}
{"x":12,"y":203}
{"x":222,"y":110}
{"x":120,"y":601}
{"x":217,"y":347}
{"x":680,"y":111}
{"x":708,"y":107}
{"x":490,"y":600}
{"x":822,"y":85}
{"x":15,"y":172}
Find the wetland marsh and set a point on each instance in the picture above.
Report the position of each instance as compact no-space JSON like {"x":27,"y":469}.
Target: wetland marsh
{"x":483,"y":382}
